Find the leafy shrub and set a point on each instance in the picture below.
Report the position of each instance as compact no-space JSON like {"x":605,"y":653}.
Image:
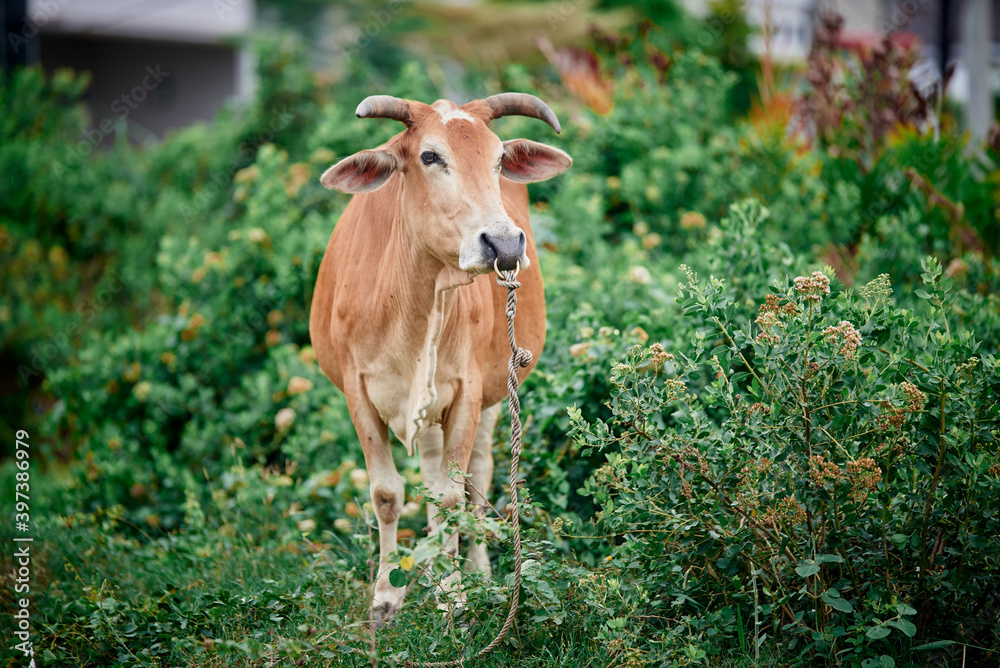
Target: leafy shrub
{"x":839,"y":473}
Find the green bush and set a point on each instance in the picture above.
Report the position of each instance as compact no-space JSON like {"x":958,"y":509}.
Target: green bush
{"x":826,"y":476}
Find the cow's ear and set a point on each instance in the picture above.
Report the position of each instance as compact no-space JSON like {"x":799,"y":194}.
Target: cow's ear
{"x":361,"y":172}
{"x":526,"y":161}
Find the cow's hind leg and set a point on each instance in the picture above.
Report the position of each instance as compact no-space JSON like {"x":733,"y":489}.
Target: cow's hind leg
{"x":434,"y":469}
{"x":480,"y":479}
{"x":445,"y":492}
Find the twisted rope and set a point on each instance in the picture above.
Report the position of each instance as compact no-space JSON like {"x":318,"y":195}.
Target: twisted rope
{"x":519,"y":357}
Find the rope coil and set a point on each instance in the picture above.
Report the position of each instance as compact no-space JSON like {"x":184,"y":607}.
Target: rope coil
{"x":519,"y":357}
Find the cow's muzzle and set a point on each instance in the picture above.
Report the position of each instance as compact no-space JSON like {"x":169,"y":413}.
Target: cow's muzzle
{"x":505,"y":253}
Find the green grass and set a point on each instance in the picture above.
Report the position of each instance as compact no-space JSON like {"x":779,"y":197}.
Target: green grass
{"x":248,"y":589}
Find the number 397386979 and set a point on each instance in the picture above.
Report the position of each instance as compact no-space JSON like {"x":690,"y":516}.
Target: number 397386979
{"x":22,"y":454}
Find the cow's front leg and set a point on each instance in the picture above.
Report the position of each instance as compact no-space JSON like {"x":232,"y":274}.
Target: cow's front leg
{"x":387,"y":489}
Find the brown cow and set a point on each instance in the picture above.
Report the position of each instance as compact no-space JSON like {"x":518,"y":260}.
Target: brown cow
{"x":406,"y":319}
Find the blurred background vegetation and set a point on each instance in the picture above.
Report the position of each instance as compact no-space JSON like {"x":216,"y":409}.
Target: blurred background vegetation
{"x":197,"y":493}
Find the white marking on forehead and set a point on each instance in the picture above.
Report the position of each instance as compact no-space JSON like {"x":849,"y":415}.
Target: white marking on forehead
{"x":449,"y":112}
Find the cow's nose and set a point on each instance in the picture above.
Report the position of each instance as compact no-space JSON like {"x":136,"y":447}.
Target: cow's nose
{"x":505,"y":252}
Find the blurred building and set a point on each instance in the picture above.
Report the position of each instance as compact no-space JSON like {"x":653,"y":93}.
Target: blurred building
{"x":157,"y":64}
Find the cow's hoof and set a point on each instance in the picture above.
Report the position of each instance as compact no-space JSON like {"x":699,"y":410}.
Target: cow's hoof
{"x":382,"y":613}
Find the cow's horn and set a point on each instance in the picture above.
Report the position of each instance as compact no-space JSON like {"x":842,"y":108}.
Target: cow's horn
{"x":522,"y":104}
{"x":385,"y":106}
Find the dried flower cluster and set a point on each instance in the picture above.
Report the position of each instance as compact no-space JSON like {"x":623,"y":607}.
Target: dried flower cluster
{"x":863,"y":475}
{"x":893,"y":417}
{"x":813,"y":288}
{"x":769,"y":318}
{"x":759,"y":409}
{"x":675,"y":388}
{"x":606,"y":475}
{"x":692,"y":220}
{"x":755,"y":469}
{"x":659,"y":355}
{"x":773,"y":304}
{"x":845,"y":335}
{"x":914,"y":396}
{"x":768,"y":321}
{"x":747,"y":499}
{"x":821,"y":470}
{"x":786,"y":511}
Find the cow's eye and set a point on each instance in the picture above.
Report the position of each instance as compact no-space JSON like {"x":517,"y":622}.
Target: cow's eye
{"x":429,"y":157}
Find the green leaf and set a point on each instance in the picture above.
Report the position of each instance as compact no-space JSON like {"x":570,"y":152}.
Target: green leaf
{"x":886,"y":661}
{"x":923,"y":294}
{"x":937,"y":644}
{"x":904,"y":609}
{"x":906,"y":626}
{"x":877,"y":632}
{"x":805,"y":570}
{"x":837,"y":603}
{"x":424,"y":551}
{"x":829,"y":558}
{"x":397,"y":577}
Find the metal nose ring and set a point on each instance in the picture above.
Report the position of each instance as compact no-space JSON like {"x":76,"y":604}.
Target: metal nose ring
{"x":496,"y":268}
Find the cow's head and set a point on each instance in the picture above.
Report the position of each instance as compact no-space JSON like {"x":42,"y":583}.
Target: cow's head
{"x":451,"y":165}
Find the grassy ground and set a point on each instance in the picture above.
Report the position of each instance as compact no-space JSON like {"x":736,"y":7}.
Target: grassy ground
{"x":255,"y":591}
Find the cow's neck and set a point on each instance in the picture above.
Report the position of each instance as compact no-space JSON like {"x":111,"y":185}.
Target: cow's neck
{"x":423,"y":291}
